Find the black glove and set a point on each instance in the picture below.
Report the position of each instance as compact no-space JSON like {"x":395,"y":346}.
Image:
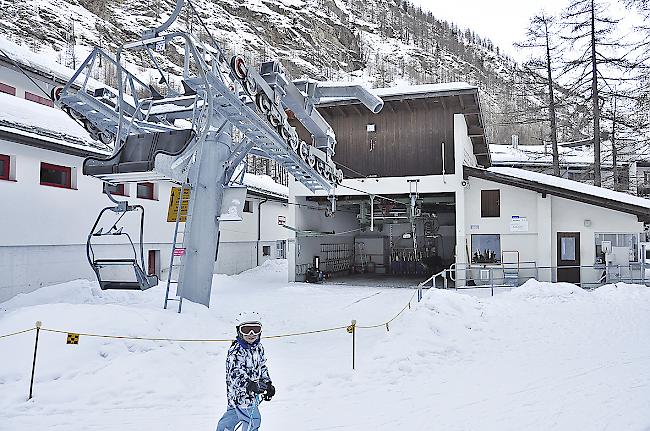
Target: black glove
{"x":270,"y":391}
{"x":253,"y":387}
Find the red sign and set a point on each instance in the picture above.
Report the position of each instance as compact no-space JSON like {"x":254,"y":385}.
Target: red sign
{"x":179,"y":252}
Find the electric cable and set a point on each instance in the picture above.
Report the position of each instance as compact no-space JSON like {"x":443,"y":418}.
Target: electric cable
{"x":49,"y":96}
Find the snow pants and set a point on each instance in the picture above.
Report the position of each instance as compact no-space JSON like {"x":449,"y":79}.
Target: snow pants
{"x":248,"y":416}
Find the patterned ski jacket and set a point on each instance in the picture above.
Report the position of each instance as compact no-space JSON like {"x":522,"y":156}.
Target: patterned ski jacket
{"x":244,"y":362}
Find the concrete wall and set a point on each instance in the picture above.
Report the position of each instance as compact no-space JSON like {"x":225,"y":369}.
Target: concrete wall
{"x":43,"y":229}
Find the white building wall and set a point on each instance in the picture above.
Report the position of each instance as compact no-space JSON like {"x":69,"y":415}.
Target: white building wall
{"x":514,"y":202}
{"x":463,"y":144}
{"x":43,"y":229}
{"x":570,"y":216}
{"x":21,"y":83}
{"x":546,"y":217}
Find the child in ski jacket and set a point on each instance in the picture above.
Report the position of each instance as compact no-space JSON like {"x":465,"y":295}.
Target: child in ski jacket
{"x":247,"y":377}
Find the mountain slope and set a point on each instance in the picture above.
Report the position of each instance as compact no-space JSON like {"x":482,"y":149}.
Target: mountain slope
{"x":376,"y":42}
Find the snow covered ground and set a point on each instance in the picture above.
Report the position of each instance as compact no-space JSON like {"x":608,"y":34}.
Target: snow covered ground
{"x":540,"y":357}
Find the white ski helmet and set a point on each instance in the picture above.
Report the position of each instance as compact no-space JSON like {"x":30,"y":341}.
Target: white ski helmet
{"x":248,"y":317}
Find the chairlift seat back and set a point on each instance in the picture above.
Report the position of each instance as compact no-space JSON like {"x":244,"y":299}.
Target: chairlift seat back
{"x":142,"y":153}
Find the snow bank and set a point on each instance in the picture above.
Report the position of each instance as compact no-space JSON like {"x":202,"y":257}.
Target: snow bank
{"x":542,"y":356}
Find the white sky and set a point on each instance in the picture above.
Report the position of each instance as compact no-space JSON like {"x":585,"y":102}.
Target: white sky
{"x":502,"y":21}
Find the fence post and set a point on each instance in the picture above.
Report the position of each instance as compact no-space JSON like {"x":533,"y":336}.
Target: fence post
{"x":444,"y":279}
{"x":352,"y":329}
{"x":31,"y":383}
{"x":491,"y":281}
{"x":643,"y":264}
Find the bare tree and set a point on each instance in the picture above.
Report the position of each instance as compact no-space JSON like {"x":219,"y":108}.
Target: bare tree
{"x":540,"y":34}
{"x":589,"y":34}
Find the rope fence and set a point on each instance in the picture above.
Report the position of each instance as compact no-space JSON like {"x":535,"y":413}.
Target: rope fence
{"x":73,"y":337}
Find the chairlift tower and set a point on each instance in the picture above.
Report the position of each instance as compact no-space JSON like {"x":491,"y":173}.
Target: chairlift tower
{"x":187,"y":137}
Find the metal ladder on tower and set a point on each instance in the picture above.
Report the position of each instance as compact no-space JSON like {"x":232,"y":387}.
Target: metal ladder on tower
{"x":178,"y":246}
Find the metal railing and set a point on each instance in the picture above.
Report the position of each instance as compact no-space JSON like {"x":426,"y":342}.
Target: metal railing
{"x":486,"y":276}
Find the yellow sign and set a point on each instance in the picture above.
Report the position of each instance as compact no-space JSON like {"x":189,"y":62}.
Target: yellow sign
{"x":72,"y":338}
{"x":174,"y":201}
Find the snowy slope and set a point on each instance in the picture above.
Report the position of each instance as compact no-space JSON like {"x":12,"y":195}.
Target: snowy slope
{"x":541,"y":357}
{"x":378,"y":43}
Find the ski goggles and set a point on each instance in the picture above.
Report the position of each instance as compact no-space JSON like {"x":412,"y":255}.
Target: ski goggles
{"x":250,"y":328}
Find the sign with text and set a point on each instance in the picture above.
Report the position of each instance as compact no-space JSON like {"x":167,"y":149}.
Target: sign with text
{"x":282,"y":220}
{"x":174,"y":201}
{"x":518,"y":224}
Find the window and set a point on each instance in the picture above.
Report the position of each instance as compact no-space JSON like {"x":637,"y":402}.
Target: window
{"x":490,"y":203}
{"x":56,"y":176}
{"x":248,"y":208}
{"x":115,"y":189}
{"x":568,"y":248}
{"x":4,"y":88}
{"x":266,"y":250}
{"x":281,"y":249}
{"x":38,"y":99}
{"x":625,"y":247}
{"x":646,"y":177}
{"x":4,"y":166}
{"x":146,"y":191}
{"x":486,"y":248}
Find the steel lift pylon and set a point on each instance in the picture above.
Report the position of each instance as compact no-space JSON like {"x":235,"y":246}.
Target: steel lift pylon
{"x":198,"y":136}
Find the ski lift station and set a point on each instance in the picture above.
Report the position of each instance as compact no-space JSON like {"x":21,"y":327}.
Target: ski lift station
{"x":420,"y":197}
{"x":378,"y":187}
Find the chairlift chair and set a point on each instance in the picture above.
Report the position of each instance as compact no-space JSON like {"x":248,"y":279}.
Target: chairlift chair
{"x":111,"y":272}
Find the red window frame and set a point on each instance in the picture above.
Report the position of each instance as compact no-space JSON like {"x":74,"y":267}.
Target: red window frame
{"x":4,"y":173}
{"x":4,"y":88}
{"x":149,"y":187}
{"x":121,"y":190}
{"x":38,"y":99}
{"x":66,"y":169}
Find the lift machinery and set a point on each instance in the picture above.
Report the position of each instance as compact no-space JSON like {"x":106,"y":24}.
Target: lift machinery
{"x":198,"y":136}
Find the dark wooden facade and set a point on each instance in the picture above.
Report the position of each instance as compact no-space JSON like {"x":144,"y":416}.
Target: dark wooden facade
{"x":409,"y":134}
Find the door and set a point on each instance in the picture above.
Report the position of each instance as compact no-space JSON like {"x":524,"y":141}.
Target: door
{"x":568,"y":255}
{"x":153,"y":262}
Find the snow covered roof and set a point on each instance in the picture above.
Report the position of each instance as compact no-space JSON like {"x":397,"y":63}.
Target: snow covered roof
{"x":565,"y":188}
{"x":42,"y":63}
{"x":49,"y":125}
{"x":570,"y":155}
{"x":413,"y":91}
{"x":539,"y":155}
{"x":266,"y":185}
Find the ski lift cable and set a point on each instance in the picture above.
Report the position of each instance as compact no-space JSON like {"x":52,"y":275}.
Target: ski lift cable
{"x":375,"y":195}
{"x":49,"y":96}
{"x":205,"y":27}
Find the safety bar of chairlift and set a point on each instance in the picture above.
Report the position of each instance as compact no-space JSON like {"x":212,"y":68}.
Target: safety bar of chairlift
{"x":189,"y":47}
{"x":123,"y":207}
